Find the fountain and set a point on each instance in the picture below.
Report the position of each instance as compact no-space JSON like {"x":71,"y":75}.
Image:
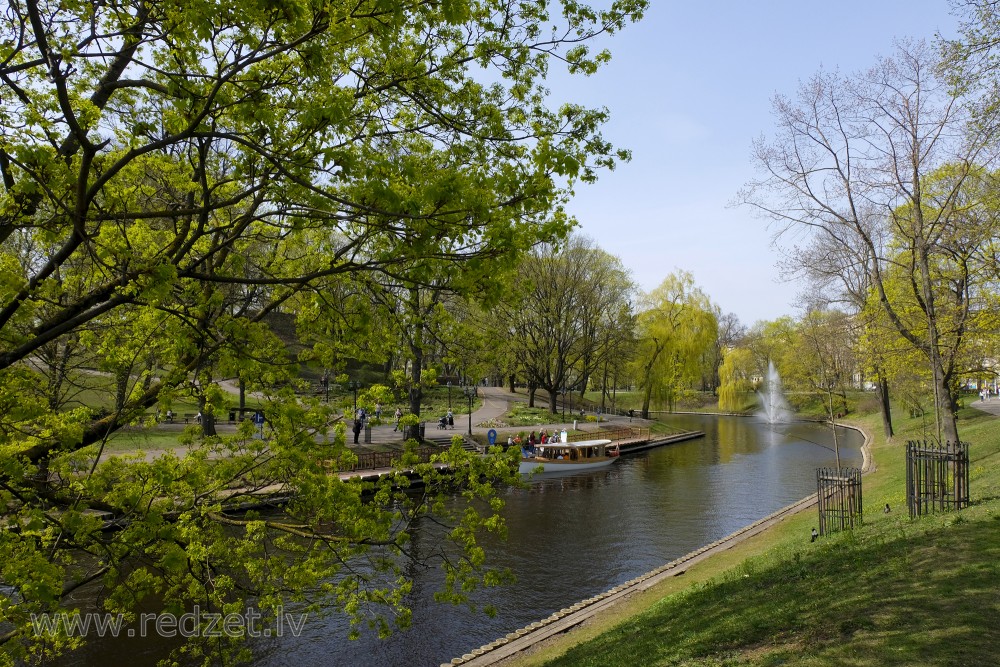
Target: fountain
{"x":774,"y":407}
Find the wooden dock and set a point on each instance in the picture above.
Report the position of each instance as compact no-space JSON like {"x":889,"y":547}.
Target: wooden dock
{"x":634,"y":439}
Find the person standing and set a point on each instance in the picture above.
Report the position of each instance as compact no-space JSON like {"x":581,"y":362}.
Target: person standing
{"x":357,"y":428}
{"x":397,"y":417}
{"x":451,"y":418}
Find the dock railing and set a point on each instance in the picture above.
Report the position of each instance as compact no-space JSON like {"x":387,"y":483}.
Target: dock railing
{"x":613,"y":434}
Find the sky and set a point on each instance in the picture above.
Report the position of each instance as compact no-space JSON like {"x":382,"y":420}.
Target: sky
{"x":689,"y":88}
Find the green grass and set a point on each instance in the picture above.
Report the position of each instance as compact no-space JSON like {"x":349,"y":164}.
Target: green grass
{"x":143,"y":439}
{"x":892,"y":592}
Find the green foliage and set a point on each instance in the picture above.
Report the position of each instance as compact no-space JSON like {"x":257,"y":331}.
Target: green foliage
{"x":675,"y":329}
{"x":735,"y":380}
{"x":182,"y":180}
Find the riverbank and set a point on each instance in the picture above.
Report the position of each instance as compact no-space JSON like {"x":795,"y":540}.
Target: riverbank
{"x":894,"y":591}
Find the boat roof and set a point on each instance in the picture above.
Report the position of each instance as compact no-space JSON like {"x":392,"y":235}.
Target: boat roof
{"x":578,"y":443}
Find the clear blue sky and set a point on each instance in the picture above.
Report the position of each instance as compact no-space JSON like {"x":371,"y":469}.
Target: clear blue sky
{"x":689,"y":88}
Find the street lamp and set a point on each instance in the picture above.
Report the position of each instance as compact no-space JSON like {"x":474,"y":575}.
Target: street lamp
{"x":564,"y":402}
{"x":470,"y":393}
{"x":354,"y":385}
{"x":449,"y":394}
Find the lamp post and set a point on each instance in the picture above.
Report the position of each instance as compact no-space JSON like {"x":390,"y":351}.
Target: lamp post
{"x":326,"y":384}
{"x":564,"y":402}
{"x":354,"y":385}
{"x":449,"y":394}
{"x":470,"y":393}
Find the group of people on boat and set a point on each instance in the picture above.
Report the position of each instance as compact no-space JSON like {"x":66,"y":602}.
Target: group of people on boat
{"x":528,"y":449}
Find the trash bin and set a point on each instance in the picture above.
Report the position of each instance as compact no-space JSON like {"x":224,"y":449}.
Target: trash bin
{"x":368,"y":434}
{"x":232,"y":415}
{"x":421,"y":430}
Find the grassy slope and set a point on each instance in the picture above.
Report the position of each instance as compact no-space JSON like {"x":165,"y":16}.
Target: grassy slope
{"x":893,"y":592}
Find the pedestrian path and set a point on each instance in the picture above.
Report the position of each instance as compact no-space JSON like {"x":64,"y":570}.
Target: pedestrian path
{"x":494,"y":403}
{"x":990,"y":405}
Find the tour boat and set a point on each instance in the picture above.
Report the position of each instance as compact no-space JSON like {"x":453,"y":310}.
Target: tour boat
{"x":568,"y":456}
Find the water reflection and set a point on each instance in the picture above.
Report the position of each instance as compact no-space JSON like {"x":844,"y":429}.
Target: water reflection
{"x":572,"y":537}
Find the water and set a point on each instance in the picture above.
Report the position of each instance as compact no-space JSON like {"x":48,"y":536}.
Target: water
{"x":774,"y":408}
{"x":576,"y":536}
{"x":572,"y":537}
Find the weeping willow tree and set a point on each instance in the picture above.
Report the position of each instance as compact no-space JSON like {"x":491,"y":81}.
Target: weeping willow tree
{"x":674,"y":330}
{"x":734,"y":379}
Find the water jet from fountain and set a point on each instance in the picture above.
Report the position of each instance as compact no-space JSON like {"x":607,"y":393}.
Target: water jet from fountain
{"x":774,"y":407}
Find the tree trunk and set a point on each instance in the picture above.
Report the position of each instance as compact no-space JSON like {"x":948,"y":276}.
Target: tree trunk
{"x":243,"y":396}
{"x":947,"y":419}
{"x":121,"y":388}
{"x":207,"y":418}
{"x":882,"y":392}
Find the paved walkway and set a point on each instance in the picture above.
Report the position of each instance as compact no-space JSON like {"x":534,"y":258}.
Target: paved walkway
{"x":991,"y":405}
{"x":494,"y":402}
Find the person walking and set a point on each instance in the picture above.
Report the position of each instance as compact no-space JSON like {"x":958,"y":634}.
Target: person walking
{"x":397,"y":417}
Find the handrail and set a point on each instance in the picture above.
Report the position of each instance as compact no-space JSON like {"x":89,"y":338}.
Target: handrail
{"x":625,"y":433}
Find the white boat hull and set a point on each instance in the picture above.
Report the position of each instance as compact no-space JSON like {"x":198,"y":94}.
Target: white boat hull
{"x":557,"y":456}
{"x":550,"y":466}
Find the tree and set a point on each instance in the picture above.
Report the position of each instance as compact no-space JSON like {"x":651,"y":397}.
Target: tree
{"x":886,"y":164}
{"x":675,"y":327}
{"x":202,"y":166}
{"x":735,"y":379}
{"x":824,"y":359}
{"x":771,"y":341}
{"x":574,"y":302}
{"x":840,"y":272}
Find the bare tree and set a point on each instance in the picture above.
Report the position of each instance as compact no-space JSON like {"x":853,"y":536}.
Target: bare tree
{"x":886,"y":166}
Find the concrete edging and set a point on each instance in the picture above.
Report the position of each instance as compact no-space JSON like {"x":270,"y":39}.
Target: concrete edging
{"x":565,"y":619}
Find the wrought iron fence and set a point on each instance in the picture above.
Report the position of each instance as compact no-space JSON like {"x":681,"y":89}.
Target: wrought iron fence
{"x":838,"y":494}
{"x":937,"y":477}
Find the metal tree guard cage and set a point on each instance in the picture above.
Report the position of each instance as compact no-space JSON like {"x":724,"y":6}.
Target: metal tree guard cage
{"x":838,"y":495}
{"x":937,"y":477}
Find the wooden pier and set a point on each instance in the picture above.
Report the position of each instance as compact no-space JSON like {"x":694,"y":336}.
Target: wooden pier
{"x":635,"y":439}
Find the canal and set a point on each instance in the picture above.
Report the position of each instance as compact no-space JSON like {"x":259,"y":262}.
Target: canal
{"x":570,"y":538}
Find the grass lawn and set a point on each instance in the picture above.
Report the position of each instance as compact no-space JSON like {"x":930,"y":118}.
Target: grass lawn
{"x":895,"y":591}
{"x":143,"y":439}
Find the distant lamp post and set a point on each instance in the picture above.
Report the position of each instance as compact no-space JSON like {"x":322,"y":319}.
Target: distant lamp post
{"x":354,"y":385}
{"x":449,"y":394}
{"x":326,"y":385}
{"x":564,"y":402}
{"x":470,"y":393}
